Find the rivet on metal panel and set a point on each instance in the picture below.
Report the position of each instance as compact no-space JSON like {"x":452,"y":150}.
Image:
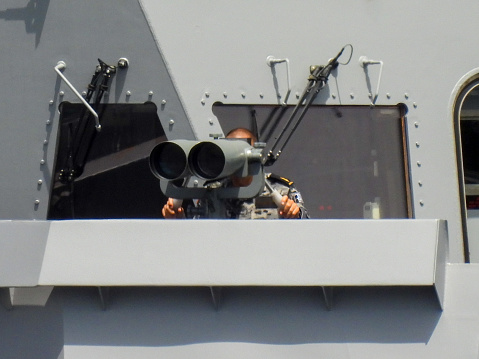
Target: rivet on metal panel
{"x":351,"y":95}
{"x":83,"y":93}
{"x":406,"y":95}
{"x":297,"y":95}
{"x":150,"y":93}
{"x":416,"y":124}
{"x":202,"y":101}
{"x":370,"y":95}
{"x":418,"y":163}
{"x":419,"y":183}
{"x":207,"y":94}
{"x":210,"y":121}
{"x":333,"y":95}
{"x":261,"y":95}
{"x":414,"y":105}
{"x":225,"y":95}
{"x":37,"y":202}
{"x":243,"y":95}
{"x":172,"y":122}
{"x":388,"y":95}
{"x":42,"y":162}
{"x":163,"y":102}
{"x":45,"y":142}
{"x":50,"y":102}
{"x":421,"y":202}
{"x":61,"y":93}
{"x":195,"y":183}
{"x":418,"y":144}
{"x":123,"y":63}
{"x":128,"y":93}
{"x":48,"y":122}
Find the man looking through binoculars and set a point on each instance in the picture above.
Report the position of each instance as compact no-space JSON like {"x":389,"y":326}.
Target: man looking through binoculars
{"x":289,"y":206}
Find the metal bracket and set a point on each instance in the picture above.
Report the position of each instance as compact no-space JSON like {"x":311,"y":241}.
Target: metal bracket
{"x":58,"y":69}
{"x":5,"y":299}
{"x":271,"y":61}
{"x":364,"y":62}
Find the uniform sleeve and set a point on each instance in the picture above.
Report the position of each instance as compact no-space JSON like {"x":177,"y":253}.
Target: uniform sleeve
{"x":286,"y":187}
{"x":295,"y":195}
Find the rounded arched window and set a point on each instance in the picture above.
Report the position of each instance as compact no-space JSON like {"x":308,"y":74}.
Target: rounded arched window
{"x":467,"y":132}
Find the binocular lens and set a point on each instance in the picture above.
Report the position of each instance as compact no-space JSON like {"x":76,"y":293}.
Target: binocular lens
{"x":168,"y":160}
{"x":207,"y":160}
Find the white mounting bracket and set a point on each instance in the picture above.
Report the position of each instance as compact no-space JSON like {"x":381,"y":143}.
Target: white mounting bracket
{"x":364,"y":62}
{"x":271,"y":61}
{"x":58,"y":69}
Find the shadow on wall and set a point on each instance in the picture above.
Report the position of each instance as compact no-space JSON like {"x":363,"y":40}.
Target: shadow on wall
{"x":270,"y":315}
{"x":32,"y":332}
{"x":33,"y":14}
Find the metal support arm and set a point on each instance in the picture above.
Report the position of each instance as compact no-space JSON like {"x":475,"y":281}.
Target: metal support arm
{"x":58,"y":69}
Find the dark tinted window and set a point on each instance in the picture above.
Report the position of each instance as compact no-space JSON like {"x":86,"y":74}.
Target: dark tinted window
{"x":106,"y":174}
{"x":347,"y":161}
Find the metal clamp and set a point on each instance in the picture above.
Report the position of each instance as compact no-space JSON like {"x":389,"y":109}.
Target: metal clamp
{"x":364,"y":62}
{"x":271,"y":61}
{"x":58,"y":69}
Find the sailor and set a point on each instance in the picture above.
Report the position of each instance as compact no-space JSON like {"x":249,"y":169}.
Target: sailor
{"x":261,"y":207}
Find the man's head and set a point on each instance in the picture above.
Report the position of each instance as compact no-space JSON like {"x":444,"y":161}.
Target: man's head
{"x":242,"y":133}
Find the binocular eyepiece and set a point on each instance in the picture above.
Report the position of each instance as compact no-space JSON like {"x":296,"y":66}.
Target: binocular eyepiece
{"x":209,"y":160}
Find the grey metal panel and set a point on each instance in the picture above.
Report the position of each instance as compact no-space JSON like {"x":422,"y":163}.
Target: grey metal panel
{"x":77,"y":33}
{"x":33,"y":332}
{"x":23,"y":246}
{"x":145,"y":252}
{"x":231,"y":62}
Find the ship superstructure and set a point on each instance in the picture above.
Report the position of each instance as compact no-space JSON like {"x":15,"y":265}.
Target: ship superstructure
{"x":384,"y":157}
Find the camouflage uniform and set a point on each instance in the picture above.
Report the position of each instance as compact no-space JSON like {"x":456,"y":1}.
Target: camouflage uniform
{"x":263,"y":207}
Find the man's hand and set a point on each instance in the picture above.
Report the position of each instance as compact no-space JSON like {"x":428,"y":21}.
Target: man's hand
{"x":289,"y":208}
{"x":170,"y":212}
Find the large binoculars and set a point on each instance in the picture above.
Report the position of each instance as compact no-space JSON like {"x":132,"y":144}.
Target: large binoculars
{"x":175,"y":163}
{"x":209,"y":160}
